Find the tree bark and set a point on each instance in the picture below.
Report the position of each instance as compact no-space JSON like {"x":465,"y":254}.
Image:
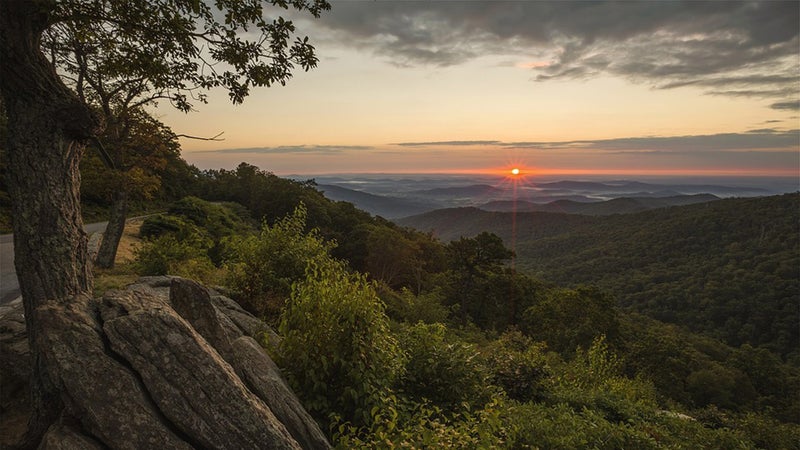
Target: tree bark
{"x":47,"y":130}
{"x":116,"y":225}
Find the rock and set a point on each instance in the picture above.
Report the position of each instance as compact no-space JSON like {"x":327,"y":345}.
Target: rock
{"x":251,"y":363}
{"x":165,"y":364}
{"x":15,"y":367}
{"x":191,"y":385}
{"x":63,"y":437}
{"x":98,"y":388}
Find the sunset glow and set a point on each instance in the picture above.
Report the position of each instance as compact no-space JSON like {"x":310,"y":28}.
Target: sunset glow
{"x":447,"y":102}
{"x":515,"y":171}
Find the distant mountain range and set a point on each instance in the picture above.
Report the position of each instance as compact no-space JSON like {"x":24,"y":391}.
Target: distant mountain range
{"x":394,"y":197}
{"x":377,"y":205}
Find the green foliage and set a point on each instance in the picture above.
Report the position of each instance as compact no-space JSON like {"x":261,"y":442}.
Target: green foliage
{"x":407,"y":307}
{"x":391,"y":257}
{"x":187,"y":240}
{"x":137,"y":149}
{"x":480,"y":288}
{"x":261,"y":268}
{"x":94,"y":45}
{"x":560,"y":426}
{"x":518,"y":365}
{"x":337,"y":351}
{"x":441,"y":369}
{"x":160,"y":224}
{"x":169,"y":255}
{"x":594,"y":380}
{"x":217,"y":219}
{"x":766,"y":432}
{"x":726,"y":268}
{"x":423,"y":426}
{"x":485,"y":252}
{"x":567,"y":318}
{"x":265,"y":195}
{"x":696,"y":370}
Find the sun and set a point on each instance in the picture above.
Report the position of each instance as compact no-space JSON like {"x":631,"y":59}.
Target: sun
{"x":514,"y":171}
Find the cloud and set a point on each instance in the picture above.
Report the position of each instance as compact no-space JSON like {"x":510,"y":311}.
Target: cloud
{"x":724,"y":48}
{"x":793,"y":105}
{"x":753,"y":140}
{"x":291,"y":149}
{"x":760,"y":139}
{"x":446,"y":143}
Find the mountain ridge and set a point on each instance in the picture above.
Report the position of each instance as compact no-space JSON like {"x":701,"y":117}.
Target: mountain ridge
{"x":727,"y":268}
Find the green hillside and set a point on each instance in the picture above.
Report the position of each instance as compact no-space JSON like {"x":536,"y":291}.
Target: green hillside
{"x":730,"y":268}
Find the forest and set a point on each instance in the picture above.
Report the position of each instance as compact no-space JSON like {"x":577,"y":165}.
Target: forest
{"x":727,"y":269}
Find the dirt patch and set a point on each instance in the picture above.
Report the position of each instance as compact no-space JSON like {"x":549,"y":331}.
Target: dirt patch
{"x":130,"y":241}
{"x":123,"y":273}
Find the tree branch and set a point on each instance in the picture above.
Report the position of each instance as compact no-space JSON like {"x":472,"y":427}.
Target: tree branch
{"x":213,"y":138}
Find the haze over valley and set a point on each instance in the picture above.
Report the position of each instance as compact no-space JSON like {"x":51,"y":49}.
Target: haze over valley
{"x":396,"y":196}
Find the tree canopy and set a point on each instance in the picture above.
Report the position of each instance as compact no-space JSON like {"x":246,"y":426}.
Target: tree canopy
{"x":128,"y":54}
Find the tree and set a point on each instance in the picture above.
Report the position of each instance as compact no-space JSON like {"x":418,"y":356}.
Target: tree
{"x":476,"y":268}
{"x":571,"y":318}
{"x":139,"y":159}
{"x":337,"y":348}
{"x":170,"y":49}
{"x":117,"y":77}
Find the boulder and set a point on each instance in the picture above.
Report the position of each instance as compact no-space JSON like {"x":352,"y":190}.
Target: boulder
{"x":251,"y":363}
{"x":165,"y":363}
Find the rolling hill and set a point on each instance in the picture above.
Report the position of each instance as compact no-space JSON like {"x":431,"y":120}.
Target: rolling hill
{"x":378,"y":205}
{"x":729,"y":268}
{"x":622,"y":205}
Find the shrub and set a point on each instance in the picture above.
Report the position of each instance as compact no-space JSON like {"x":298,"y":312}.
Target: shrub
{"x":442,"y":369}
{"x":166,"y":255}
{"x":518,"y":365}
{"x":260,"y":269}
{"x":406,"y":307}
{"x":336,"y":350}
{"x":160,"y":224}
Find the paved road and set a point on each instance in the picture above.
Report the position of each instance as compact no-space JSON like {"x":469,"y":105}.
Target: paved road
{"x":9,"y":286}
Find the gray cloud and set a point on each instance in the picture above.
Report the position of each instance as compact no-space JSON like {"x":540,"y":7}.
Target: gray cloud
{"x":767,"y":138}
{"x":724,"y":48}
{"x":793,"y":105}
{"x":756,"y":139}
{"x":291,"y":149}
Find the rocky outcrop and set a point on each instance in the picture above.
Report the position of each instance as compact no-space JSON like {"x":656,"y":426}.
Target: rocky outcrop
{"x":168,"y":363}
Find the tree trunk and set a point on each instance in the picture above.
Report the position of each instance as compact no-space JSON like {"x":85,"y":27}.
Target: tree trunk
{"x":113,"y":234}
{"x":47,"y":131}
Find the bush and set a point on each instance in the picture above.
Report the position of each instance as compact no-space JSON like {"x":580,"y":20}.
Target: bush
{"x":337,"y":351}
{"x":218,"y":219}
{"x":160,"y":224}
{"x":166,"y":255}
{"x":441,"y":368}
{"x":424,"y":426}
{"x":518,"y":365}
{"x":407,"y":307}
{"x":260,"y":269}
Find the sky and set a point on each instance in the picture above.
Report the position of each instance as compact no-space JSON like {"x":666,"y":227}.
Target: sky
{"x":626,"y":88}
